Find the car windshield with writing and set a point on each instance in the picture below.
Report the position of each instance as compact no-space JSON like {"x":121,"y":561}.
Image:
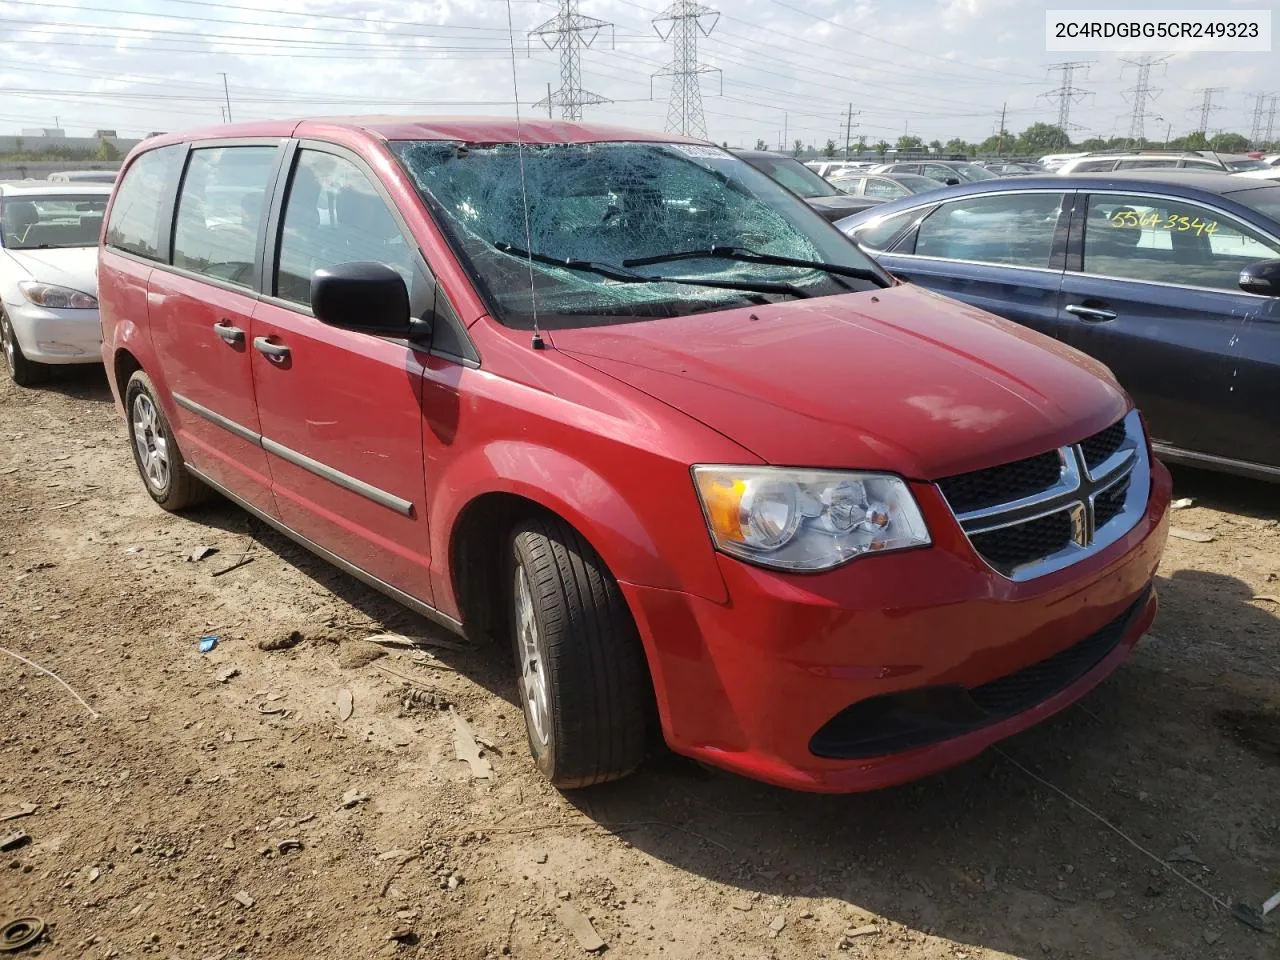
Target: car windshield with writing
{"x":607,"y":232}
{"x":51,"y":222}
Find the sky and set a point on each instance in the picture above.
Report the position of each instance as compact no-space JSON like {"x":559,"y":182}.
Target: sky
{"x":934,"y":68}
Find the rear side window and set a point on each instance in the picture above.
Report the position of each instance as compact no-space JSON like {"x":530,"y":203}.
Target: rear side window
{"x":1015,"y":229}
{"x":334,"y":215}
{"x":220,"y":210}
{"x":877,"y":187}
{"x":136,"y":214}
{"x":1169,"y":241}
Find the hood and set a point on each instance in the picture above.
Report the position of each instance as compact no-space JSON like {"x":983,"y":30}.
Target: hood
{"x":833,"y":208}
{"x":74,"y":267}
{"x":901,"y":380}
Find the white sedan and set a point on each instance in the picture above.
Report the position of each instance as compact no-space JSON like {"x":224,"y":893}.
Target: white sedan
{"x":48,"y":275}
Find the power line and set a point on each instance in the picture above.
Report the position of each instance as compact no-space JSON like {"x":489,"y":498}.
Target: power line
{"x":685,"y":20}
{"x":1067,"y":94}
{"x":1142,"y":93}
{"x":1207,"y":107}
{"x":570,"y":31}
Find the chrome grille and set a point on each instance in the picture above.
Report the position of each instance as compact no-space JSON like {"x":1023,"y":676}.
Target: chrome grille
{"x":1034,"y":516}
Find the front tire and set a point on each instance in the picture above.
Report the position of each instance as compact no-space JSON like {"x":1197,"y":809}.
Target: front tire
{"x":24,"y":372}
{"x":155,"y":451}
{"x":584,"y":682}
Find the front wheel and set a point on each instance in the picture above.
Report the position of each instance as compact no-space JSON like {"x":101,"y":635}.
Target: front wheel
{"x":584,"y":681}
{"x":155,"y":451}
{"x":24,"y":372}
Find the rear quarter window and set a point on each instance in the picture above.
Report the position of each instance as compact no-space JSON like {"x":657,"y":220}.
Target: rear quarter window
{"x":136,"y":213}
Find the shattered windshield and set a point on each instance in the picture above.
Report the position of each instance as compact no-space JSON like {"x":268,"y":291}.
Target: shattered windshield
{"x":601,"y":208}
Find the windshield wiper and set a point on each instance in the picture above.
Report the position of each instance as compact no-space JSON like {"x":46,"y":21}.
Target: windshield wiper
{"x":745,"y":255}
{"x":623,"y":275}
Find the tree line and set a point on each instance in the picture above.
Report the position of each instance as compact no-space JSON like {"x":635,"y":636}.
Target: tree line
{"x":1035,"y":141}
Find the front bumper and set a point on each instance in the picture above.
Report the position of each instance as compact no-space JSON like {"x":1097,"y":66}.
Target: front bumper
{"x":56,"y":336}
{"x":747,"y":684}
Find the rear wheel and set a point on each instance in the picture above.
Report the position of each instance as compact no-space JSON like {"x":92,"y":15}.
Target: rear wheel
{"x":584,"y":682}
{"x":24,"y":372}
{"x":155,"y":452}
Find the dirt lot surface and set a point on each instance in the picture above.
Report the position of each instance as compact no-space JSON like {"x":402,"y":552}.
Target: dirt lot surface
{"x":219,"y":806}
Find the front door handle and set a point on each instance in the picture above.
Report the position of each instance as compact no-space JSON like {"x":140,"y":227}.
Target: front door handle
{"x":275,"y":352}
{"x":1090,"y":314}
{"x":229,"y":333}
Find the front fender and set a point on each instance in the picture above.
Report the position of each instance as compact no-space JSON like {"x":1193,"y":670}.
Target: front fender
{"x":675,"y":554}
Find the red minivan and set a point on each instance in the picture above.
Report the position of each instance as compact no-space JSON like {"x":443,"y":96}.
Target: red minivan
{"x":620,"y":400}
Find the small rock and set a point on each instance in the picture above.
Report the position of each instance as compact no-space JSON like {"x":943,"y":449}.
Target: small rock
{"x":243,"y":899}
{"x":453,"y":882}
{"x":1211,"y":937}
{"x":540,"y":858}
{"x":94,"y":874}
{"x":806,"y":914}
{"x":563,"y":895}
{"x":229,"y":843}
{"x":200,"y":553}
{"x":743,"y":905}
{"x":228,"y":674}
{"x":351,"y":798}
{"x":400,"y":933}
{"x":1183,"y":854}
{"x":1195,"y":536}
{"x":777,"y":925}
{"x":346,"y":705}
{"x":1106,"y":895}
{"x":870,"y":930}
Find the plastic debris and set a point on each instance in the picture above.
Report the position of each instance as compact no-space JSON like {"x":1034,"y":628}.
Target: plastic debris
{"x":208,"y":642}
{"x":1181,"y":504}
{"x":346,"y":705}
{"x":25,"y":810}
{"x":21,"y":933}
{"x":1272,"y":902}
{"x":19,"y":838}
{"x":466,"y":748}
{"x":576,"y":922}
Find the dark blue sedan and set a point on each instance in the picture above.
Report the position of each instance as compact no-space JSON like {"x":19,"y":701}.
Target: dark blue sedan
{"x":1170,"y":279}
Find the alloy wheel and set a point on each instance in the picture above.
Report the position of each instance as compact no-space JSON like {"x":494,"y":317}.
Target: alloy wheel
{"x":151,"y":443}
{"x":534,"y":683}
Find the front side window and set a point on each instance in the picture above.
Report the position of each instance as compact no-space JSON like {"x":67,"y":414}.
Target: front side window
{"x":615,"y":231}
{"x":1015,"y":229}
{"x":1169,"y":241}
{"x":332,"y":215}
{"x":220,"y":210}
{"x":1093,"y":166}
{"x":50,"y":222}
{"x":135,"y":213}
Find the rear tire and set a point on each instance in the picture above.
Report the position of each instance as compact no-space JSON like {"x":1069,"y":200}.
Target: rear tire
{"x":24,"y":372}
{"x":155,"y":451}
{"x":584,"y":682}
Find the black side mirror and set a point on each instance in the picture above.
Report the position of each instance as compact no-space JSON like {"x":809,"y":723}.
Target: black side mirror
{"x":1262,"y":278}
{"x":364,"y":296}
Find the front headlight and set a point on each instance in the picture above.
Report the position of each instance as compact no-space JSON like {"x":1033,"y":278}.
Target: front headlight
{"x":55,"y":297}
{"x":807,"y":519}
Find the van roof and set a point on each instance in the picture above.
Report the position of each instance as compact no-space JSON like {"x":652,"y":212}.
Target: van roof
{"x":46,"y":188}
{"x":464,"y":129}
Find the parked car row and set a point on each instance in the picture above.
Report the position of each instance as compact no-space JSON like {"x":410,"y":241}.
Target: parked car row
{"x":1171,"y":279}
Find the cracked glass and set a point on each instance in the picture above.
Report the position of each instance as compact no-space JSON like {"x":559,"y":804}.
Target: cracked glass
{"x":607,"y":205}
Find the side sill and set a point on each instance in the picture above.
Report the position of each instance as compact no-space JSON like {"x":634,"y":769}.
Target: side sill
{"x":410,"y":601}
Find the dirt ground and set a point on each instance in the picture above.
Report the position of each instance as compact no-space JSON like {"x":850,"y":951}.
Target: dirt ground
{"x":195,"y":817}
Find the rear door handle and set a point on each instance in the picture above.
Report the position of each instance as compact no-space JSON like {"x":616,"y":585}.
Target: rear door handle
{"x":229,"y":333}
{"x":275,"y":352}
{"x":1090,"y":314}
